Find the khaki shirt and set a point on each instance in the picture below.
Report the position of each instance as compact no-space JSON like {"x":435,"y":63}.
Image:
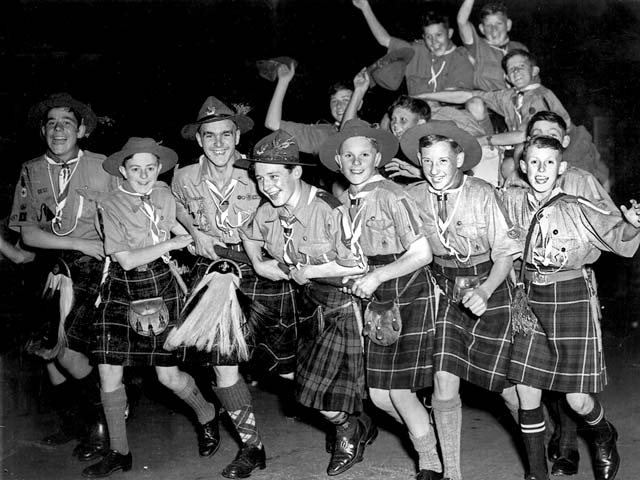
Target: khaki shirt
{"x":126,"y":225}
{"x":34,"y":202}
{"x":208,"y":211}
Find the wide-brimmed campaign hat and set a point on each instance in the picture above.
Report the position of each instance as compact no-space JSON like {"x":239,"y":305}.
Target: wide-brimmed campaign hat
{"x":213,"y":110}
{"x":387,"y":142}
{"x":279,"y":148}
{"x":56,"y":100}
{"x":268,"y":69}
{"x":166,"y":156}
{"x":410,"y":141}
{"x":389,"y":70}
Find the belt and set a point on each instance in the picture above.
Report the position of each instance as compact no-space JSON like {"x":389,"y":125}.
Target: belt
{"x":452,"y":262}
{"x":538,"y":278}
{"x":236,"y":247}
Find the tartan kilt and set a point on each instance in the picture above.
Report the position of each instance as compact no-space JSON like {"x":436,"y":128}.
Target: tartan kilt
{"x":270,"y":312}
{"x":562,"y":353}
{"x":117,"y":342}
{"x":407,"y":364}
{"x":476,"y":349}
{"x":330,"y":366}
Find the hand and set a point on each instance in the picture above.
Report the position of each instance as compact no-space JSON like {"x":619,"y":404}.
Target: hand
{"x":632,"y":215}
{"x":360,"y":4}
{"x":400,"y":168}
{"x":365,"y":286}
{"x":476,"y":301}
{"x":299,"y":275}
{"x":286,"y":72}
{"x":181,"y":241}
{"x":270,"y":270}
{"x":93,"y":248}
{"x":204,"y":245}
{"x":362,"y":80}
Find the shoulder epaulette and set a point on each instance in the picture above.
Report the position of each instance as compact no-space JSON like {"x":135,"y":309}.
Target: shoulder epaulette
{"x":329,"y":199}
{"x":588,"y":203}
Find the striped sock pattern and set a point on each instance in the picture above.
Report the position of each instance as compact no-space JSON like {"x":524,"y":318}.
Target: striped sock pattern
{"x":533,"y":428}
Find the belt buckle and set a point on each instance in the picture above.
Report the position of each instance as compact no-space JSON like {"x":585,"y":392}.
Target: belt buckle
{"x":540,"y":278}
{"x":142,"y":268}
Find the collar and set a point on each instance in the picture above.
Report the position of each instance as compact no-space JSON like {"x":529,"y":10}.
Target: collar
{"x":455,"y":189}
{"x":535,"y":204}
{"x":54,"y":161}
{"x":300,"y":212}
{"x":367,"y":186}
{"x":236,"y":173}
{"x":531,"y":86}
{"x":451,"y":50}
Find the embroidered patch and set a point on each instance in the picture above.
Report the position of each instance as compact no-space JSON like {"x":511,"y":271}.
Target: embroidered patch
{"x":513,"y":234}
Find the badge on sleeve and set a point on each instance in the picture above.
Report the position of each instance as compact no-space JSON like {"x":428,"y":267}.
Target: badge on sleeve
{"x":513,"y":233}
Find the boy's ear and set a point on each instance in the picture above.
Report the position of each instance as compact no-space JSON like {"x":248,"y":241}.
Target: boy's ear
{"x":481,"y":28}
{"x":566,"y":140}
{"x":450,"y":33}
{"x":459,"y":159}
{"x":563,"y":167}
{"x":421,"y":121}
{"x":122,"y":171}
{"x":237,"y":136}
{"x":523,"y":166}
{"x":509,"y":24}
{"x":199,"y":139}
{"x":338,"y":160}
{"x":378,"y":159}
{"x":82,"y":130}
{"x":535,"y":71}
{"x":159,"y":167}
{"x":297,"y":171}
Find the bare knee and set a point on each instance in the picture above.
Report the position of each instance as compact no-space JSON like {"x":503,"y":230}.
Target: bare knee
{"x":510,"y":397}
{"x":171,"y":377}
{"x":476,"y":107}
{"x":110,"y":377}
{"x":445,"y":385}
{"x":381,"y":399}
{"x":530,"y":397}
{"x":581,"y":403}
{"x":226,"y":375}
{"x":76,"y":363}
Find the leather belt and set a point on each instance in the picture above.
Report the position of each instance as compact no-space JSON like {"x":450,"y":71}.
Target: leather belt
{"x":452,"y":262}
{"x":538,"y":278}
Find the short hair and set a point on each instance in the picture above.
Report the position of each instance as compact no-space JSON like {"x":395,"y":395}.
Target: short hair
{"x":547,"y":116}
{"x":430,"y":140}
{"x":45,"y":116}
{"x":129,"y":157}
{"x":518,"y":51}
{"x":373,"y":141}
{"x":494,"y":8}
{"x":542,"y":141}
{"x":415,"y":105}
{"x":341,"y":85}
{"x":434,"y":18}
{"x":251,"y":169}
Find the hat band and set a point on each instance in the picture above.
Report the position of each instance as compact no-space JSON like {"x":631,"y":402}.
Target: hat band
{"x":214,"y":117}
{"x":277,"y":159}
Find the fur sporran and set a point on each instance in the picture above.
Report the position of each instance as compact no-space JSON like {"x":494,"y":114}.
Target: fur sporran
{"x":148,"y":317}
{"x":382,"y":322}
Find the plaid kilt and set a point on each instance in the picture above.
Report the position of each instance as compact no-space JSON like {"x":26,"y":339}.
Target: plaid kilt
{"x":330,"y":368}
{"x":474,"y":349}
{"x":407,"y":364}
{"x":270,"y":311}
{"x":117,"y":341}
{"x":562,"y":353}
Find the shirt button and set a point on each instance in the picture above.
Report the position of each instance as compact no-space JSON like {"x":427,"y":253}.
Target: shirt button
{"x":304,"y":238}
{"x":384,"y":243}
{"x":459,"y":222}
{"x":555,"y":232}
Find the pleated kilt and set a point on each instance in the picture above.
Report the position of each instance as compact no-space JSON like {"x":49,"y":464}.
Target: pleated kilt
{"x":270,"y":312}
{"x":407,"y":364}
{"x":117,"y":341}
{"x":476,"y":349}
{"x":562,"y":354}
{"x":330,"y":365}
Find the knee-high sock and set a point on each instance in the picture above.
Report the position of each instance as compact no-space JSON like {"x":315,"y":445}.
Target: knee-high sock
{"x":236,"y":400}
{"x":114,"y":404}
{"x":425,"y":446}
{"x":598,"y":423}
{"x":193,"y":397}
{"x":568,"y":427}
{"x":448,"y":417}
{"x":532,"y":426}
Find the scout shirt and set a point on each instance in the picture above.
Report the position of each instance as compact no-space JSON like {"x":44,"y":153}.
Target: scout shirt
{"x":320,"y":230}
{"x":570,"y":233}
{"x":129,"y":224}
{"x":488,"y":74}
{"x":426,"y":73}
{"x":310,"y":137}
{"x":384,"y":218}
{"x":37,"y":196}
{"x":517,"y":107}
{"x":218,"y":213}
{"x":475,"y":223}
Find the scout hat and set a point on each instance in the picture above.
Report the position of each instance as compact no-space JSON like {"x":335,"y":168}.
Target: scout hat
{"x":388,"y":71}
{"x":268,"y":69}
{"x":213,"y":110}
{"x":387,"y":143}
{"x":167,"y":157}
{"x":57,"y":100}
{"x":279,"y":147}
{"x":410,"y":141}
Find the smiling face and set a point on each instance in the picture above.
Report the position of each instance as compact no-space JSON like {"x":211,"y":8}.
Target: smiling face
{"x":61,"y":131}
{"x":520,"y":71}
{"x":495,"y":28}
{"x":279,"y":184}
{"x":542,"y":166}
{"x":338,"y":103}
{"x":141,"y":170}
{"x":218,"y":141}
{"x":358,"y":159}
{"x":402,"y":119}
{"x":440,"y":164}
{"x":437,"y":38}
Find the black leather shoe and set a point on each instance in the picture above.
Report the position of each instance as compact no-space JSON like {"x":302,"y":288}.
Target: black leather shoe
{"x":112,"y":462}
{"x":96,"y":445}
{"x":349,"y":450}
{"x":247,"y":460}
{"x":566,"y":464}
{"x":607,"y":459}
{"x":553,"y":448}
{"x":429,"y":475}
{"x":208,"y":438}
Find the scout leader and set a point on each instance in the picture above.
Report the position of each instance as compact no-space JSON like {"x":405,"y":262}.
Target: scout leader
{"x":214,"y":200}
{"x":562,"y":350}
{"x":141,"y":299}
{"x":307,"y":230}
{"x":54,"y":209}
{"x":472,"y":257}
{"x":387,"y":229}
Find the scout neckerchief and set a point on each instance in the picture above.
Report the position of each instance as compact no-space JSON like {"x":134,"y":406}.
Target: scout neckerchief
{"x":64,"y":180}
{"x":434,"y":75}
{"x":287,"y":222}
{"x":504,"y":48}
{"x":518,"y":100}
{"x":157,"y":234}
{"x":443,"y":219}
{"x":221,"y":202}
{"x":356,"y":213}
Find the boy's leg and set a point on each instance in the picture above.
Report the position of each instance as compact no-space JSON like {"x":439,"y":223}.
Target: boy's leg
{"x":353,"y":433}
{"x":603,"y":434}
{"x":477,"y":108}
{"x":64,"y":399}
{"x":532,"y":425}
{"x":447,"y":412}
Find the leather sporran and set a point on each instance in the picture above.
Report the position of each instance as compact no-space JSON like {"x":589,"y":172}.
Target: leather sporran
{"x":382,"y":322}
{"x":148,"y":317}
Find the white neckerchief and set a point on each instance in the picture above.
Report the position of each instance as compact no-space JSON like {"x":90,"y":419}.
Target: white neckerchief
{"x":157,"y":234}
{"x":434,"y":75}
{"x":519,"y":100}
{"x":60,"y":198}
{"x":441,"y":226}
{"x":222,"y":214}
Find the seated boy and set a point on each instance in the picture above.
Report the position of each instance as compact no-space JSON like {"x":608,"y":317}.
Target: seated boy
{"x":438,"y":64}
{"x":562,"y":350}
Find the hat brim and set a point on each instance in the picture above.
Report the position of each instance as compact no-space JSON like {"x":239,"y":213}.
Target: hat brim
{"x":243,"y":122}
{"x":268,"y":69}
{"x":245,"y":162}
{"x":166,"y":157}
{"x":410,"y":141}
{"x":387,"y":145}
{"x":40,"y":109}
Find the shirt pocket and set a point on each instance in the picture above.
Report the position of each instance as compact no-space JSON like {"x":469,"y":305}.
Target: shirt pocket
{"x":564,"y":249}
{"x":317,"y":251}
{"x":472,"y":232}
{"x":377,"y":225}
